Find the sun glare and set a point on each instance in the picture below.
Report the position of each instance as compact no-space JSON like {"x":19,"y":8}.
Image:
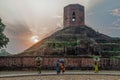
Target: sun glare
{"x":35,"y":39}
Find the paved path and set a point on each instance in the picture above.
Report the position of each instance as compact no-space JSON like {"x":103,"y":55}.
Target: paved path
{"x":49,"y":73}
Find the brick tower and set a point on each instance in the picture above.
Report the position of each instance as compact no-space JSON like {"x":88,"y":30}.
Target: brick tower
{"x":73,"y":15}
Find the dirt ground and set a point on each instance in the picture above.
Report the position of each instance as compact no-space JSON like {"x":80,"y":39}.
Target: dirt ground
{"x":65,"y":77}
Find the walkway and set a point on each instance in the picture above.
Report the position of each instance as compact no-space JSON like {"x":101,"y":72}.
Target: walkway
{"x":49,"y":73}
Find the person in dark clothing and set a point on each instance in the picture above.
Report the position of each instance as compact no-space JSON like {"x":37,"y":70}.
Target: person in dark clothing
{"x":58,"y":68}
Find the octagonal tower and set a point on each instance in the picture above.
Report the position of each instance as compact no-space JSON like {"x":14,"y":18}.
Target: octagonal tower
{"x":74,"y":15}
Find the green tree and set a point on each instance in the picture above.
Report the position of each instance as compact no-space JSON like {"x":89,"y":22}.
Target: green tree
{"x":3,"y":52}
{"x":3,"y":39}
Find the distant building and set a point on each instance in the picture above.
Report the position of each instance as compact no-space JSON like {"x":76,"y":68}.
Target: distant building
{"x":74,"y":15}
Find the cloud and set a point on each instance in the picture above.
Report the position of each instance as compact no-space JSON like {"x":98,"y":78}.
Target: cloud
{"x":58,"y":16}
{"x":93,"y":3}
{"x":115,"y":12}
{"x":59,"y":21}
{"x":18,"y":30}
{"x":116,"y":23}
{"x":19,"y":35}
{"x":90,"y":14}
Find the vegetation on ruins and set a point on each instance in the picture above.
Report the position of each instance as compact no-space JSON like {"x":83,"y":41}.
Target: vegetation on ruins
{"x":3,"y":39}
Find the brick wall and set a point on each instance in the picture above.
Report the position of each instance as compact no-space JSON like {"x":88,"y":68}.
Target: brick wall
{"x":29,"y":63}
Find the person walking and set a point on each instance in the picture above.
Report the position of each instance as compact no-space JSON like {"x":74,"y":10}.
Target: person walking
{"x":96,"y":67}
{"x":58,"y":69}
{"x":62,"y":68}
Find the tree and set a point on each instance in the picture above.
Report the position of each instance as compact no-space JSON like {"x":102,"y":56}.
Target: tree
{"x":3,"y":52}
{"x":3,"y":39}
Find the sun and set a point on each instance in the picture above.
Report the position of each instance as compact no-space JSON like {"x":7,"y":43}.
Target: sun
{"x":35,"y":39}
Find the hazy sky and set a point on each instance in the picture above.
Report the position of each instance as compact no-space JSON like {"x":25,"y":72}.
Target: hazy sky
{"x":29,"y":19}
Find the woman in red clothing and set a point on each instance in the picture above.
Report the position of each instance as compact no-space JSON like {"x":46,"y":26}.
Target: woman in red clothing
{"x":62,"y":68}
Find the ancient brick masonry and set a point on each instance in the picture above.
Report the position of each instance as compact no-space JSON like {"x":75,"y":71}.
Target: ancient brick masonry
{"x":74,"y":15}
{"x":83,"y":63}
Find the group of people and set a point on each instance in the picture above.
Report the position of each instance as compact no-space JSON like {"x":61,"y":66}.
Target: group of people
{"x":60,"y":67}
